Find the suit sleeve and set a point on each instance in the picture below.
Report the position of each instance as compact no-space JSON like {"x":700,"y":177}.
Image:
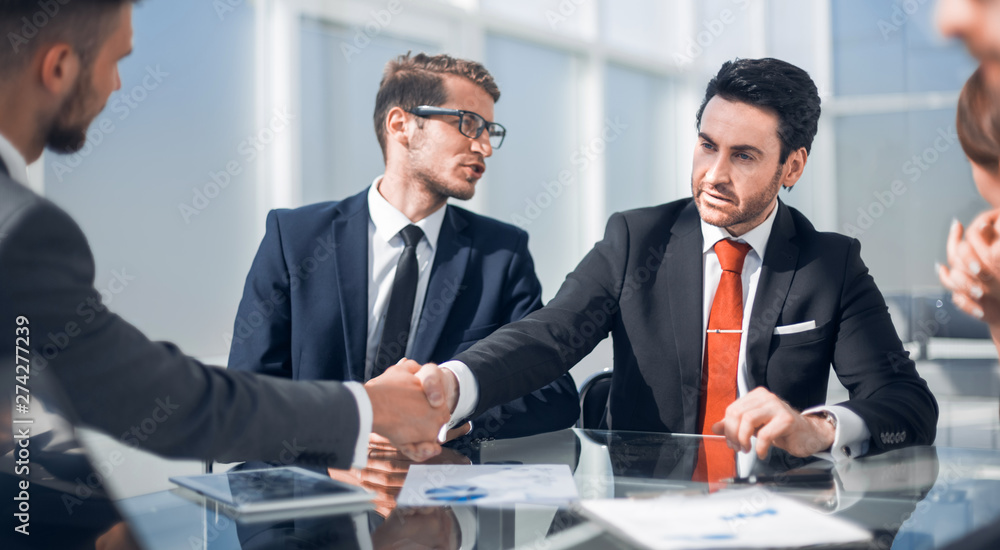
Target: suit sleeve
{"x":148,"y":394}
{"x":885,"y":389}
{"x":553,"y":407}
{"x":524,"y":356}
{"x":262,"y":331}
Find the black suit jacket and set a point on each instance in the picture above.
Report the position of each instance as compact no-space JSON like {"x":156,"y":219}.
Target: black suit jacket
{"x":146,"y":393}
{"x":643,"y":284}
{"x":309,"y":284}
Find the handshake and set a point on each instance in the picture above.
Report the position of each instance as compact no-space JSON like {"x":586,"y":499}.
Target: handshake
{"x":410,"y":405}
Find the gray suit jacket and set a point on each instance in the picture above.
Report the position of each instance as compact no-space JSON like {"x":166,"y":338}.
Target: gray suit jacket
{"x":148,"y":394}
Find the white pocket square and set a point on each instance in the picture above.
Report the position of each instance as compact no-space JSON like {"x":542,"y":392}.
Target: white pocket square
{"x":797,"y":327}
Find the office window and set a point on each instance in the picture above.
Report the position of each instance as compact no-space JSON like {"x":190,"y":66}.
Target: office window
{"x":893,"y":47}
{"x":340,"y":153}
{"x":902,"y":177}
{"x":165,"y":189}
{"x":534,"y":180}
{"x":639,"y":119}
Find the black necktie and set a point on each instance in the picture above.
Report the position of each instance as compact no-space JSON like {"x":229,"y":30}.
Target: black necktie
{"x":396,"y":330}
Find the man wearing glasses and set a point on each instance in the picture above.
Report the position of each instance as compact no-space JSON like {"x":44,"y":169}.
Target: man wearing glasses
{"x":343,"y":290}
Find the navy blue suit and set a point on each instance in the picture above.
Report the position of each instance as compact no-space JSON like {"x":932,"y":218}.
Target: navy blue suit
{"x":304,"y":311}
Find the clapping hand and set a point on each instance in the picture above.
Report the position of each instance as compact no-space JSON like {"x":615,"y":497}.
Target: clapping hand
{"x":973,"y":268}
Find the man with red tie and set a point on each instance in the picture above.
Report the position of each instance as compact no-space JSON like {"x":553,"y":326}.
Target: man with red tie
{"x":728,"y":308}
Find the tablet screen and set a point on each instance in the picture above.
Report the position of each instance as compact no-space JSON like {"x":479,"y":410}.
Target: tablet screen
{"x":272,"y":488}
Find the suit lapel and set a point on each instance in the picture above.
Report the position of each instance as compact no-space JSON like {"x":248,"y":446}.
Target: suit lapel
{"x":772,"y":290}
{"x":350,"y":237}
{"x":684,"y":276}
{"x":447,"y":273}
{"x":3,"y":168}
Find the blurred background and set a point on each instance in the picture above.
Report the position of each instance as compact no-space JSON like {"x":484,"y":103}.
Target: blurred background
{"x":231,"y":108}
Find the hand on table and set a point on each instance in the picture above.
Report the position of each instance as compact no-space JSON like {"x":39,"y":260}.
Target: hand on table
{"x":408,"y":407}
{"x":774,"y":422}
{"x":974,"y":266}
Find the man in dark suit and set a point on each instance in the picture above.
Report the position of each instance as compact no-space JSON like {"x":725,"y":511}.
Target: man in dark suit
{"x":320,"y":301}
{"x":106,"y":373}
{"x":727,"y":309}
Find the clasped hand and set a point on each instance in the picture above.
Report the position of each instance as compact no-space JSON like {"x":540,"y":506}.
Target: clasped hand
{"x":410,"y":404}
{"x":761,"y":413}
{"x":973,"y":264}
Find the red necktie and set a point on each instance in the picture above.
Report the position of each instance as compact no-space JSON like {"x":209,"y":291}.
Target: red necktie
{"x":722,"y":357}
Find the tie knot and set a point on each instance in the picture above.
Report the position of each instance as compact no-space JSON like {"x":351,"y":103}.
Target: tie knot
{"x":731,"y":255}
{"x":411,"y":235}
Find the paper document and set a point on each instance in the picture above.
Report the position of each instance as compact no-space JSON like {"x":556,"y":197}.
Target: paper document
{"x":449,"y":484}
{"x":750,"y":518}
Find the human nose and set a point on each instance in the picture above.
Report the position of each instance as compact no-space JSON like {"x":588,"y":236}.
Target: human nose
{"x":482,"y":144}
{"x":718,"y":171}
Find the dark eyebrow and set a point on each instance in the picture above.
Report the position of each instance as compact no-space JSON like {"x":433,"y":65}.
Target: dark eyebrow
{"x":747,"y":148}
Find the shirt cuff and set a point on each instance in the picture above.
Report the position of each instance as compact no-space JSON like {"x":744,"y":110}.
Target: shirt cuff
{"x":364,"y":425}
{"x":468,"y":392}
{"x":851,"y":436}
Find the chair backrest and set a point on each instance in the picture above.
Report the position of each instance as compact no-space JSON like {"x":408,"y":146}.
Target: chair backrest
{"x":594,"y":400}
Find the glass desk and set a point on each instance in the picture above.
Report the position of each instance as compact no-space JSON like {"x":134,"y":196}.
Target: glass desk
{"x":919,"y":498}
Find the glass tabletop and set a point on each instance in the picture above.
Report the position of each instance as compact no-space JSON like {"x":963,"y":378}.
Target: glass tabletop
{"x":920,"y":497}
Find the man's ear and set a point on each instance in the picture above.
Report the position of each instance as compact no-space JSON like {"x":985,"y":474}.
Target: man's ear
{"x":60,"y":67}
{"x":795,"y":165}
{"x":397,"y":126}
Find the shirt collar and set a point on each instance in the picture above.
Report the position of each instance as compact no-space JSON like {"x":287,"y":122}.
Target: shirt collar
{"x":389,"y":221}
{"x":756,"y":237}
{"x":16,"y":165}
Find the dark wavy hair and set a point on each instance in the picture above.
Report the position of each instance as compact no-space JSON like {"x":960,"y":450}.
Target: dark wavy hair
{"x":978,"y":122}
{"x":776,"y":86}
{"x":411,"y":81}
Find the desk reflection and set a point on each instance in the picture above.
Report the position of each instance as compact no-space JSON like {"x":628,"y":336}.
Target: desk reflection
{"x":879,"y":492}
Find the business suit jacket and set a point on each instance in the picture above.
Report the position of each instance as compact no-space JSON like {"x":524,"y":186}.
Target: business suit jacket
{"x":307,"y":290}
{"x":149,"y":394}
{"x":643,"y":284}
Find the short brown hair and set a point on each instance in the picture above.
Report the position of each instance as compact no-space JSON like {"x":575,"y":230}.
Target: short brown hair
{"x":408,"y":82}
{"x":29,"y":24}
{"x":978,"y":122}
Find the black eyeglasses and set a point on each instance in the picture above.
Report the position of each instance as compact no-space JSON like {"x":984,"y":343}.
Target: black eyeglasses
{"x":469,"y":124}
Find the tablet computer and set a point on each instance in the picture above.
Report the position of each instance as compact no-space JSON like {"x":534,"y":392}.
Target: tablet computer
{"x":274,"y":490}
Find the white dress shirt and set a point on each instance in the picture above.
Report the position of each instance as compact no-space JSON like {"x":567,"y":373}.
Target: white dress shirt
{"x":851,"y":439}
{"x":385,"y":248}
{"x":16,"y":164}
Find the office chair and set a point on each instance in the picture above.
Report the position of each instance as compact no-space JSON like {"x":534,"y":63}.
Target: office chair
{"x":594,"y":400}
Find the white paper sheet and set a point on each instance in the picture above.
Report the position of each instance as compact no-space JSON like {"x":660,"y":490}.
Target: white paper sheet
{"x":488,"y":485}
{"x":750,"y":518}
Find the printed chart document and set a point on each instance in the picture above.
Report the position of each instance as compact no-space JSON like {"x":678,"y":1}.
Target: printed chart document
{"x":749,"y":518}
{"x":487,"y":485}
